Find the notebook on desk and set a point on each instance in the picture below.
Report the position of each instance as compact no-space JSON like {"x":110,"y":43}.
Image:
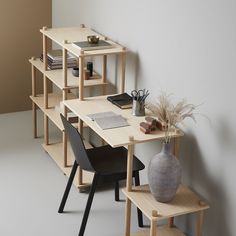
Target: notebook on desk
{"x":108,"y":120}
{"x":123,"y":100}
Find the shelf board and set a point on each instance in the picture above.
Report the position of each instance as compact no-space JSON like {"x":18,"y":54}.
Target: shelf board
{"x":56,"y":152}
{"x":184,"y":202}
{"x":161,"y":231}
{"x":53,"y":100}
{"x":75,"y":34}
{"x":56,"y":76}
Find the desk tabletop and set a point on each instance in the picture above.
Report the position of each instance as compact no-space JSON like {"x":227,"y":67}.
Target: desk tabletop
{"x":118,"y":136}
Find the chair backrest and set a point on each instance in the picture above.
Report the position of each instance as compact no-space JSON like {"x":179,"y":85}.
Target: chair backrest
{"x":77,"y":145}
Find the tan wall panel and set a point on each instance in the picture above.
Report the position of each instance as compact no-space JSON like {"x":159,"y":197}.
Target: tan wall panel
{"x":20,"y":39}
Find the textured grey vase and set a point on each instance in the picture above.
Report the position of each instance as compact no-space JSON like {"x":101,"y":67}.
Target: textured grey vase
{"x":164,"y":175}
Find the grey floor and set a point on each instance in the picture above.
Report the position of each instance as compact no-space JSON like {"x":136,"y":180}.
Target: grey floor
{"x":31,"y":186}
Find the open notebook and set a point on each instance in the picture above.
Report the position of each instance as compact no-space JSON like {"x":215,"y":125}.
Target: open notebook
{"x":108,"y":120}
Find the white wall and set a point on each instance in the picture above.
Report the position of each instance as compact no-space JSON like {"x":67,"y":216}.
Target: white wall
{"x":187,"y":48}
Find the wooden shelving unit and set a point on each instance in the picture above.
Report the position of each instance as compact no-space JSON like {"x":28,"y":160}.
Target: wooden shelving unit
{"x":65,"y":81}
{"x":185,"y":202}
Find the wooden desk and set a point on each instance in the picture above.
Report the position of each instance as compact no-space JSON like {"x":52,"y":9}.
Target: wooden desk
{"x":129,"y":136}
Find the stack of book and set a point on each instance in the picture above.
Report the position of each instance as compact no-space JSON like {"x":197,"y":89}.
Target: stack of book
{"x":55,"y":59}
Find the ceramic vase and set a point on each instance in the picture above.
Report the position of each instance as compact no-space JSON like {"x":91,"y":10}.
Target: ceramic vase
{"x":164,"y":174}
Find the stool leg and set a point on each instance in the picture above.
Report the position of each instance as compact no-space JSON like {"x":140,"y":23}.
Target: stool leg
{"x":68,"y":187}
{"x":117,"y":195}
{"x":88,"y":205}
{"x":139,"y":213}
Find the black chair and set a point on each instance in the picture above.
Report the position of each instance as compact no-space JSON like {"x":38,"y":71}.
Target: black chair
{"x":108,"y":165}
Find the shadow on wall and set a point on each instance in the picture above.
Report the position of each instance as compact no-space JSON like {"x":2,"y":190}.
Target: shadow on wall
{"x":196,"y":175}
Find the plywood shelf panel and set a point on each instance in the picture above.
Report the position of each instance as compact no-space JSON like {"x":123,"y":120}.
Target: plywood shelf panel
{"x":56,"y":76}
{"x":161,"y":231}
{"x":56,"y":152}
{"x":75,"y":34}
{"x":53,"y":100}
{"x":184,"y":202}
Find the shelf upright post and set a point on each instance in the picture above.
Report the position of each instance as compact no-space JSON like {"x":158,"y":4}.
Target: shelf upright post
{"x":64,"y":97}
{"x":104,"y":74}
{"x":153,"y":229}
{"x":199,"y":223}
{"x":127,"y":216}
{"x":34,"y":107}
{"x":130,"y":164}
{"x":45,"y":87}
{"x":81,"y":97}
{"x":122,"y":67}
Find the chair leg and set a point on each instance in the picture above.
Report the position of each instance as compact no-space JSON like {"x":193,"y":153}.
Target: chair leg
{"x":117,"y":194}
{"x":88,"y":205}
{"x":139,"y":212}
{"x":68,"y":187}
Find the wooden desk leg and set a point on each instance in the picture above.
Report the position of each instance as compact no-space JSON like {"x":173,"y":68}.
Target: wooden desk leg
{"x":199,"y":223}
{"x":127,"y":217}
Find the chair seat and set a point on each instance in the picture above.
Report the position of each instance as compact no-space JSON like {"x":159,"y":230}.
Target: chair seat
{"x":110,"y":161}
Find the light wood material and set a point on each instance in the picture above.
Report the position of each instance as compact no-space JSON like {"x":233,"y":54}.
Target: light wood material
{"x":130,"y":164}
{"x":75,"y":34}
{"x":81,"y":79}
{"x":46,"y":134}
{"x":104,"y":74}
{"x":127,"y":216}
{"x":56,"y":76}
{"x":33,"y":76}
{"x":184,"y":202}
{"x":121,"y":135}
{"x":34,"y":111}
{"x":45,"y":50}
{"x":54,"y":99}
{"x":34,"y":117}
{"x":122,"y":79}
{"x":161,"y":231}
{"x":55,"y":150}
{"x":199,"y":223}
{"x":45,"y":91}
{"x":64,"y":67}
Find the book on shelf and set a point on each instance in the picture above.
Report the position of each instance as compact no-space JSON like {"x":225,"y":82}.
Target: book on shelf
{"x":123,"y":100}
{"x":108,"y":120}
{"x":54,"y":59}
{"x":85,"y":45}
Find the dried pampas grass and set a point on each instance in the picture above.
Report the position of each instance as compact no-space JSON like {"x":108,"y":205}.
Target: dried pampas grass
{"x":170,"y":114}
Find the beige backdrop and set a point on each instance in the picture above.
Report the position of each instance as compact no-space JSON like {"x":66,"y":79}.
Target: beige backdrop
{"x":20,"y":39}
